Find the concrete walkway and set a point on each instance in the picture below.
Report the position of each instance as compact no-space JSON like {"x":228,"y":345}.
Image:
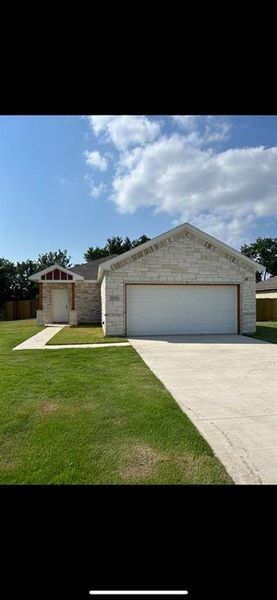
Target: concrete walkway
{"x":39,"y":341}
{"x":227,"y":385}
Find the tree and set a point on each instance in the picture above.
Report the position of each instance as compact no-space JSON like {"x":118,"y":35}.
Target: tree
{"x":7,"y":280}
{"x":118,"y":245}
{"x":263,"y":250}
{"x":94,"y":253}
{"x":23,"y":287}
{"x":141,"y":240}
{"x":114,"y":245}
{"x":60,"y":257}
{"x":14,"y":278}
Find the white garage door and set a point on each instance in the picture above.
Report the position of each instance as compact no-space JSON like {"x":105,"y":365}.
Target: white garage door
{"x":181,"y":309}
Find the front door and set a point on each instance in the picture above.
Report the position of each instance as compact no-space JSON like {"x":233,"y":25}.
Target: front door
{"x":60,"y":306}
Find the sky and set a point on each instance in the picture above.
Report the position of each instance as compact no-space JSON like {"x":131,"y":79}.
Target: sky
{"x":71,"y":182}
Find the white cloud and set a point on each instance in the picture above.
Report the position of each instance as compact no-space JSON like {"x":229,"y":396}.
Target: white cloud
{"x":125,"y":131}
{"x":99,"y":122}
{"x":203,"y":130}
{"x":95,"y":159}
{"x":185,"y":121}
{"x":222,"y":193}
{"x":94,"y":190}
{"x":216,"y":131}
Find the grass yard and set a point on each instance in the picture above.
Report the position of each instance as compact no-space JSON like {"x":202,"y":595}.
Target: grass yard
{"x":92,"y":416}
{"x":266,"y":331}
{"x":83,"y":334}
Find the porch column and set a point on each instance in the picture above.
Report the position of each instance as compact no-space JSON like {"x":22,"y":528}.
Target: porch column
{"x":40,"y":301}
{"x":73,"y":312}
{"x":73,"y":296}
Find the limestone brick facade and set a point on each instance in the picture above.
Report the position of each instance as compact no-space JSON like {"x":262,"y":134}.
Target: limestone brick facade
{"x":183,"y":258}
{"x":179,"y":257}
{"x":87,"y":302}
{"x":260,"y":295}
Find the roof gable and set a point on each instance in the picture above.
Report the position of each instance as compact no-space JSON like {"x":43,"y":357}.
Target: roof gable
{"x":152,"y":245}
{"x":38,"y":276}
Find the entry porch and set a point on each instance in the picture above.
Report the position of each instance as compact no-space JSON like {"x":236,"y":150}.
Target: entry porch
{"x":57,"y":296}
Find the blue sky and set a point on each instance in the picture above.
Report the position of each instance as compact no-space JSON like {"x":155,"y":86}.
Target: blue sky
{"x":72,"y":181}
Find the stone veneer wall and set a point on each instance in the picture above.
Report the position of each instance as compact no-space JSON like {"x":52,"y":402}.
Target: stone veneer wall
{"x":88,"y":302}
{"x":182,"y":258}
{"x":264,"y":294}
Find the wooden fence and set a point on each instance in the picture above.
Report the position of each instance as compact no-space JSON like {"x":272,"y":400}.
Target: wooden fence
{"x":20,"y":309}
{"x":267,"y":309}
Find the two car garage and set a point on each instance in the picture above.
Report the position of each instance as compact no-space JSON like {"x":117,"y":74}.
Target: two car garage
{"x":181,"y":309}
{"x":181,"y":282}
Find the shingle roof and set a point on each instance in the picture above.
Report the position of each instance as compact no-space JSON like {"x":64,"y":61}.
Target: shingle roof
{"x":268,"y":284}
{"x":89,"y":270}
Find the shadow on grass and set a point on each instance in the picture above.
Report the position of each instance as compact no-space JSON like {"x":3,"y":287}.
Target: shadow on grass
{"x":266,"y":331}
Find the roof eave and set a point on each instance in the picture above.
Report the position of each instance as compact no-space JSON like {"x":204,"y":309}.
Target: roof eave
{"x":266,"y":289}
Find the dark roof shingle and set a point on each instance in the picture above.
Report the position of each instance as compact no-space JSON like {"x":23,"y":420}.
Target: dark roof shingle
{"x":89,"y":270}
{"x":267,"y":285}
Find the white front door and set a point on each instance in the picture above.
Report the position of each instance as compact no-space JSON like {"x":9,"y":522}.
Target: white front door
{"x":181,"y":309}
{"x":60,"y":306}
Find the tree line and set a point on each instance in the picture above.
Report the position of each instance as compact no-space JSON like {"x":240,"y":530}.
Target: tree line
{"x":114,"y":245}
{"x":14,"y":277}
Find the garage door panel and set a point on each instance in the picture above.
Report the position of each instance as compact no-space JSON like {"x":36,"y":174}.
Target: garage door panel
{"x":181,"y":309}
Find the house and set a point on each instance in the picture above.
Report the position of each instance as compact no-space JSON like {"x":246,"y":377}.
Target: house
{"x":181,"y":282}
{"x":267,"y":288}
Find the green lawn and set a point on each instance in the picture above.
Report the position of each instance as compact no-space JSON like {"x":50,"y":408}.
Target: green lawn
{"x":266,"y":331}
{"x":83,"y":334}
{"x":92,"y":416}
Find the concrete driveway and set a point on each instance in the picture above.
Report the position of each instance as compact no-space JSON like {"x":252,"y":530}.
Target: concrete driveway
{"x":227,"y":385}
